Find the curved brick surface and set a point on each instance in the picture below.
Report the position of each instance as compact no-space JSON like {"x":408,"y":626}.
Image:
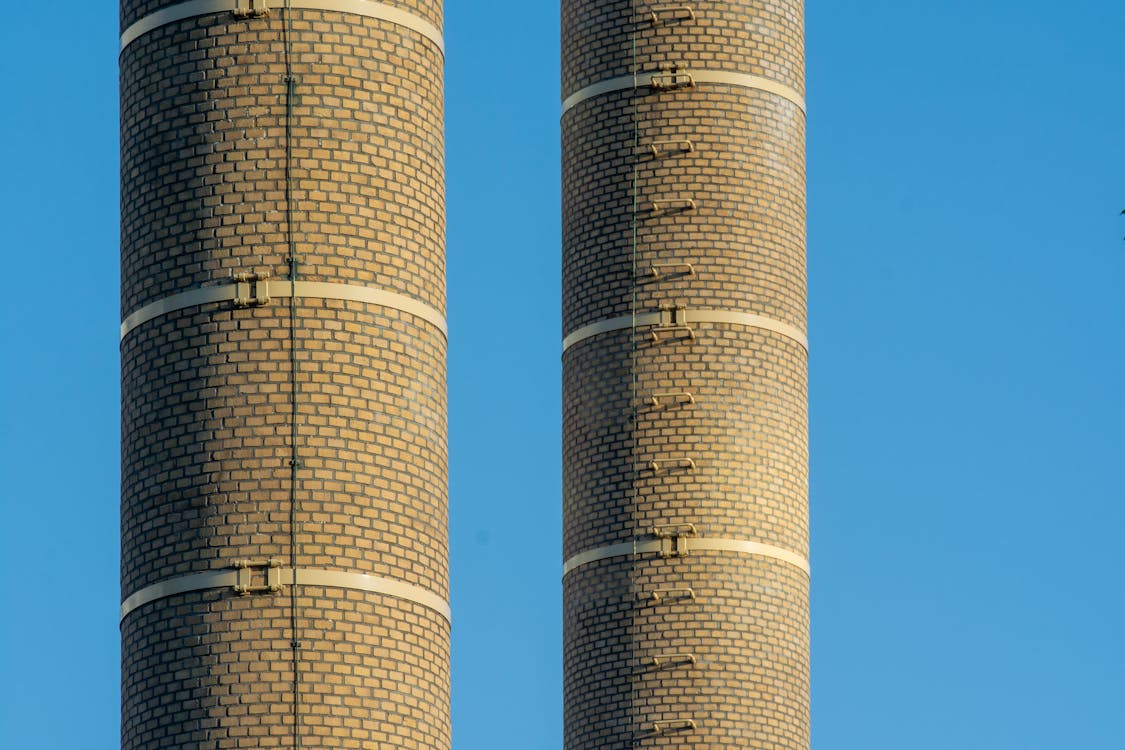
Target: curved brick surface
{"x":203,"y":155}
{"x":746,"y":632}
{"x":760,"y":37}
{"x":745,"y":433}
{"x":746,"y":236}
{"x":732,"y":459}
{"x":207,"y":390}
{"x":132,"y":11}
{"x":206,"y":670}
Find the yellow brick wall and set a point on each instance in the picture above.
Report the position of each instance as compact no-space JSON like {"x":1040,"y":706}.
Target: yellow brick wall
{"x":745,"y":426}
{"x":206,"y":391}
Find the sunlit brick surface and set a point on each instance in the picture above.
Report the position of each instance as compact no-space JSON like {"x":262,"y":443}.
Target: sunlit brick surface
{"x":645,"y":663}
{"x":206,"y":391}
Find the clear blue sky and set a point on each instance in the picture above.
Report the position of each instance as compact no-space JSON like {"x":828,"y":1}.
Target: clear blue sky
{"x":966,"y":172}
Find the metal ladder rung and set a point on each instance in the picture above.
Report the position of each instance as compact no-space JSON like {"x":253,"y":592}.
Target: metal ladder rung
{"x":683,"y":145}
{"x":657,"y":269}
{"x":660,"y":595}
{"x":657,"y":465}
{"x":672,"y":397}
{"x":661,"y":205}
{"x":674,"y":725}
{"x":673,"y":12}
{"x":671,"y":660}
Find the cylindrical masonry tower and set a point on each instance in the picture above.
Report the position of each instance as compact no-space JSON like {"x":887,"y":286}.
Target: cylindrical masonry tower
{"x":686,"y":578}
{"x":284,"y":500}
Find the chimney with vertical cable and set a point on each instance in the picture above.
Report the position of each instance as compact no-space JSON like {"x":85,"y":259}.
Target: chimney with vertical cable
{"x":284,"y":566}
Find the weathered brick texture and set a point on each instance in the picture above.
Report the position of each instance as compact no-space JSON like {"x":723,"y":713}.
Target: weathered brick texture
{"x":733,"y":458}
{"x":207,"y":390}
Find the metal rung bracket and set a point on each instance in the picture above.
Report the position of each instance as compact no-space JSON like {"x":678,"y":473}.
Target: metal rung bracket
{"x":251,"y":290}
{"x":658,"y":269}
{"x":672,"y":329}
{"x":672,"y":13}
{"x":672,"y":320}
{"x":661,"y":205}
{"x":673,"y":539}
{"x":673,"y":725}
{"x":672,"y":78}
{"x":252,"y":9}
{"x":245,"y":583}
{"x":660,"y":595}
{"x":659,"y":399}
{"x":670,"y":660}
{"x":658,"y":465}
{"x":683,"y":145}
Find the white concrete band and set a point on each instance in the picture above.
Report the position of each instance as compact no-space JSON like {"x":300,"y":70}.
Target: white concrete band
{"x":745,"y":80}
{"x":288,"y":576}
{"x":690,"y":316}
{"x":365,"y":8}
{"x":280,"y":288}
{"x":687,"y":544}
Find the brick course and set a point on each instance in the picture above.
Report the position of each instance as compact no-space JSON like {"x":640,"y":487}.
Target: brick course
{"x":206,"y":391}
{"x":744,"y":427}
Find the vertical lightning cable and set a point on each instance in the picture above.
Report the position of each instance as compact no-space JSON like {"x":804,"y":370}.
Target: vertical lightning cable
{"x":634,"y":408}
{"x":294,"y":369}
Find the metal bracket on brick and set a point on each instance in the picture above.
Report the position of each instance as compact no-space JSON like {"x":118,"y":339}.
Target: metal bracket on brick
{"x":673,"y":725}
{"x":659,"y":595}
{"x":671,"y":77}
{"x":252,"y":9}
{"x":663,"y":398}
{"x":659,"y":465}
{"x":673,"y":660}
{"x":674,"y":145}
{"x":674,"y":539}
{"x":655,"y":333}
{"x":679,"y":205}
{"x":251,"y":289}
{"x":672,"y":320}
{"x":663,"y":13}
{"x":667,"y":269}
{"x":258,"y":576}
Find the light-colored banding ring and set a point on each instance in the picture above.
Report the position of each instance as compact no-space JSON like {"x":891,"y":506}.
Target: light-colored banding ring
{"x":687,"y":544}
{"x":745,"y":80}
{"x":304,"y":577}
{"x":691,"y":316}
{"x":365,"y":8}
{"x":281,"y":288}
